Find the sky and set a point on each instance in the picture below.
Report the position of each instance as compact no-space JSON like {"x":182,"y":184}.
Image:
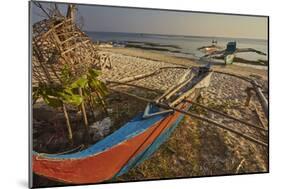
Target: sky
{"x":130,"y":20}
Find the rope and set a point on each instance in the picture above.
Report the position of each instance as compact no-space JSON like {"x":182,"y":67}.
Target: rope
{"x":79,"y":148}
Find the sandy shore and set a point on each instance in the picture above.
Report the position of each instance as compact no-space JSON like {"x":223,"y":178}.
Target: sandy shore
{"x":128,"y":62}
{"x":156,"y":56}
{"x":219,"y":152}
{"x":195,"y":148}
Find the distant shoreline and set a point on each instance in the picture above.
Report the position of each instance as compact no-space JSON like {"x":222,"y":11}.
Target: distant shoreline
{"x":170,"y":35}
{"x":182,"y":46}
{"x":167,"y":58}
{"x":241,"y":61}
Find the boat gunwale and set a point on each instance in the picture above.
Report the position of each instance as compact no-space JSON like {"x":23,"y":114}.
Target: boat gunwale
{"x":91,"y":151}
{"x":138,"y":131}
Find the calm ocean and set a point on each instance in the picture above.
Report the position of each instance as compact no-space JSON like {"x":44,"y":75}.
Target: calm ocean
{"x":182,"y":46}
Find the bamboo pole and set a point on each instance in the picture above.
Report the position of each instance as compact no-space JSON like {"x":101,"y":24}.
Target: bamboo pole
{"x":91,"y":103}
{"x":239,"y":166}
{"x":249,"y":96}
{"x":261,"y":97}
{"x":129,"y":84}
{"x":259,"y":117}
{"x":133,"y":78}
{"x":180,"y":83}
{"x":74,"y":46}
{"x":140,"y":76}
{"x":83,"y":109}
{"x":102,"y":102}
{"x":40,"y":61}
{"x":217,"y":124}
{"x":176,"y":89}
{"x":225,"y":115}
{"x":70,"y":136}
{"x":234,"y":75}
{"x":214,"y":123}
{"x":200,"y":82}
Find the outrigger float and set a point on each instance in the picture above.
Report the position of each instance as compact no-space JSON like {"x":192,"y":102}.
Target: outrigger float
{"x":138,"y":139}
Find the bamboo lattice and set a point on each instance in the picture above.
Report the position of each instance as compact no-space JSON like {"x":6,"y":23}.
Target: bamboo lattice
{"x":58,"y":42}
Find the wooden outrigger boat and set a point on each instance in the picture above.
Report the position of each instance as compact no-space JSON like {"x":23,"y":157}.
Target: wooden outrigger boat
{"x":228,"y":54}
{"x":131,"y":144}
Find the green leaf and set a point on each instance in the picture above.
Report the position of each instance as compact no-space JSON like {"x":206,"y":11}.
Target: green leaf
{"x":65,"y":74}
{"x":73,"y":99}
{"x":53,"y":102}
{"x":94,"y":73}
{"x":80,"y":83}
{"x":36,"y":93}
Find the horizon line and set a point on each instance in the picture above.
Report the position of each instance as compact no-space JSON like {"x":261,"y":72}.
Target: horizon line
{"x":264,"y":39}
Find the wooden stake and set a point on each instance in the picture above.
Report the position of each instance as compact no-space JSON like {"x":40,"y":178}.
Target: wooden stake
{"x":239,"y":166}
{"x":83,"y":109}
{"x":262,"y":98}
{"x":259,"y":117}
{"x":249,"y":96}
{"x":102,"y":103}
{"x":70,"y":136}
{"x":92,"y":106}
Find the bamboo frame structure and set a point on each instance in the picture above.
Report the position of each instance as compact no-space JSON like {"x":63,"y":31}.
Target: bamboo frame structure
{"x":62,"y":53}
{"x":58,"y":42}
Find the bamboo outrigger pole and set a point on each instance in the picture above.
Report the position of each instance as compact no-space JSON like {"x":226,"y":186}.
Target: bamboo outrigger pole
{"x":263,"y":100}
{"x":165,"y":106}
{"x":256,"y":86}
{"x":216,"y":124}
{"x":226,"y":115}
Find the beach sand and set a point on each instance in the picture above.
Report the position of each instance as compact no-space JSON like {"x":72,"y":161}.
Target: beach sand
{"x":197,"y":148}
{"x":157,"y":56}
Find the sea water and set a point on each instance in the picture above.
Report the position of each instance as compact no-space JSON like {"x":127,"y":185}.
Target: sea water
{"x":181,"y":46}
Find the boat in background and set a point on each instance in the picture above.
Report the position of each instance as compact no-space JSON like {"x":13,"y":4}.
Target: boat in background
{"x":228,"y":54}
